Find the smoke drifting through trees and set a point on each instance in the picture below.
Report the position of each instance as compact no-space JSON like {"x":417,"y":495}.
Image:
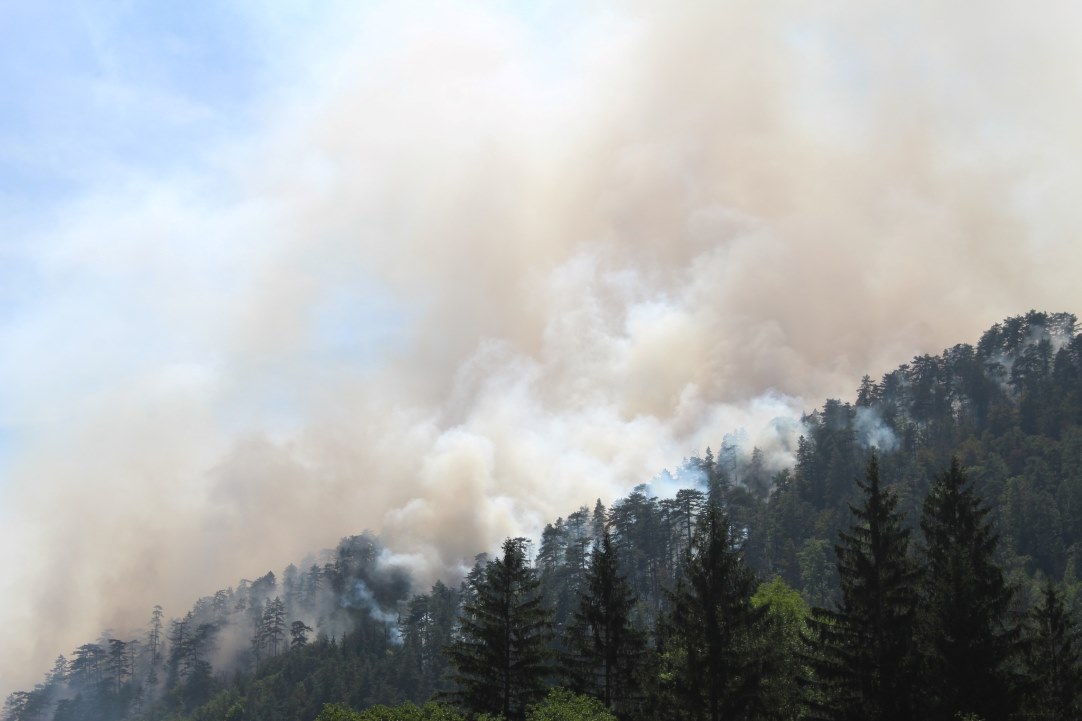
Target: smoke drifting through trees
{"x":478,"y":277}
{"x":934,"y":405}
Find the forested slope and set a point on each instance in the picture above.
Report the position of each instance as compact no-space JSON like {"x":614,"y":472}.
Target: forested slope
{"x":736,"y":546}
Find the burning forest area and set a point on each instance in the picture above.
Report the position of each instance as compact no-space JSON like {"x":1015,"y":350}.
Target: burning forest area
{"x":533,"y":361}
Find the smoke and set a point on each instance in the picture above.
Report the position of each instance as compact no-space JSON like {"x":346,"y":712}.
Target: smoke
{"x":363,"y":598}
{"x":476,"y":269}
{"x":872,"y":431}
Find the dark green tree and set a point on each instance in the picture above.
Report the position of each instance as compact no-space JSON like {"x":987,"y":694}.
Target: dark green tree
{"x":863,"y":660}
{"x":272,"y":628}
{"x":298,"y":634}
{"x":500,"y":658}
{"x":15,"y":706}
{"x":426,"y":624}
{"x":598,"y":520}
{"x":59,"y":672}
{"x":1053,"y":661}
{"x":641,"y":534}
{"x":606,"y":649}
{"x":710,"y":630}
{"x":118,"y":667}
{"x":681,"y":512}
{"x":966,"y":633}
{"x":154,"y":635}
{"x":86,"y":671}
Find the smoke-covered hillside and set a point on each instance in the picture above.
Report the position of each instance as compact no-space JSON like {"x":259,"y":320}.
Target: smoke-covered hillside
{"x":273,"y":272}
{"x":349,"y":625}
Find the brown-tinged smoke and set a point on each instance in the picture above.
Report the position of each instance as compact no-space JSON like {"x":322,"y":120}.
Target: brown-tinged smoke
{"x":567,"y":258}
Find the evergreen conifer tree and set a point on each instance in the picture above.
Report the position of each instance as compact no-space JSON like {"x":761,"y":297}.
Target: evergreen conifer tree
{"x":1053,"y":661}
{"x":711,"y":628}
{"x":607,"y":650}
{"x":966,"y":635}
{"x":863,"y":648}
{"x":500,"y":658}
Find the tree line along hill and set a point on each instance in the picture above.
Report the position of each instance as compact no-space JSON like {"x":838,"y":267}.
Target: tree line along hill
{"x":921,"y":559}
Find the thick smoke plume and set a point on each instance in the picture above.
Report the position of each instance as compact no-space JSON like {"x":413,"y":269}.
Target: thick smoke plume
{"x":478,"y":269}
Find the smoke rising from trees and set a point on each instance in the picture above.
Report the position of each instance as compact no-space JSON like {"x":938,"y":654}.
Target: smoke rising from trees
{"x":476,"y":273}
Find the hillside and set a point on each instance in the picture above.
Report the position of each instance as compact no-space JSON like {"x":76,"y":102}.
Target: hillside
{"x":346,"y":626}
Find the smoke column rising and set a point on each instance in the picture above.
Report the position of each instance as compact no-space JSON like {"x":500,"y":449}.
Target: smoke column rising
{"x":478,"y":267}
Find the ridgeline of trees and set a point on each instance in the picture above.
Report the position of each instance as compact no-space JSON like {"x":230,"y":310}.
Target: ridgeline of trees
{"x":921,"y":560}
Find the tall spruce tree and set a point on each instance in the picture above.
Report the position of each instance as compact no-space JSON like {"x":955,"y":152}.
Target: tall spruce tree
{"x":1053,"y":662}
{"x":500,"y":658}
{"x":967,"y":637}
{"x":863,"y":662}
{"x":607,"y":651}
{"x":710,"y":630}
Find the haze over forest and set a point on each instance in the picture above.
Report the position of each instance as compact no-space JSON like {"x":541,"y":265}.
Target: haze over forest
{"x":270,"y":276}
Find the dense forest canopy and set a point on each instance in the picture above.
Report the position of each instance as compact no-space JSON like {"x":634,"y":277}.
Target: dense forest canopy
{"x":921,"y":558}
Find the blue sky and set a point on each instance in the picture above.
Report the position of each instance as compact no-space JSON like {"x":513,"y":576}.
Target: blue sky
{"x":99,"y":95}
{"x":123,"y":107}
{"x":102,"y":88}
{"x":110,"y":88}
{"x":105,"y":103}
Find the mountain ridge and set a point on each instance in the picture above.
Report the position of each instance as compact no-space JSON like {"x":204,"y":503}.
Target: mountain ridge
{"x":1010,"y":407}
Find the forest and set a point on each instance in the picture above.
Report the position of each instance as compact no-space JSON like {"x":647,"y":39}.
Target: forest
{"x":920,"y":559}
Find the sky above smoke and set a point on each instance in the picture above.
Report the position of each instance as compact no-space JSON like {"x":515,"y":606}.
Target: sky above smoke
{"x":270,"y":275}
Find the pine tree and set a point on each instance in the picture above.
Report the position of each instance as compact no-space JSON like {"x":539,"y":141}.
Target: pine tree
{"x":500,"y":659}
{"x":312,"y":585}
{"x":272,"y":628}
{"x":15,"y":706}
{"x":426,"y":624}
{"x":298,"y":634}
{"x":117,"y":665}
{"x":607,"y":650}
{"x":682,"y":510}
{"x":154,"y":635}
{"x":710,"y":629}
{"x":598,"y":521}
{"x":59,"y":673}
{"x":1053,"y":661}
{"x":966,"y":635}
{"x":180,"y":638}
{"x":863,"y":660}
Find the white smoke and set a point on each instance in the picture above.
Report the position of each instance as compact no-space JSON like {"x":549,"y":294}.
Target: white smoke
{"x":872,"y":431}
{"x":476,"y":269}
{"x":361,"y":597}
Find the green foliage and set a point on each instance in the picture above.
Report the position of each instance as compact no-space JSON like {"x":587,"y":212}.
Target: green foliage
{"x":817,"y":572}
{"x":864,"y":662}
{"x":337,"y":712}
{"x":966,"y":634}
{"x":500,"y":661}
{"x":562,"y":705}
{"x":712,"y":628}
{"x":1009,"y":407}
{"x":1054,"y":661}
{"x":226,"y":706}
{"x":784,"y":605}
{"x":425,"y":624}
{"x":608,"y":652}
{"x":782,"y":642}
{"x":403,"y":712}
